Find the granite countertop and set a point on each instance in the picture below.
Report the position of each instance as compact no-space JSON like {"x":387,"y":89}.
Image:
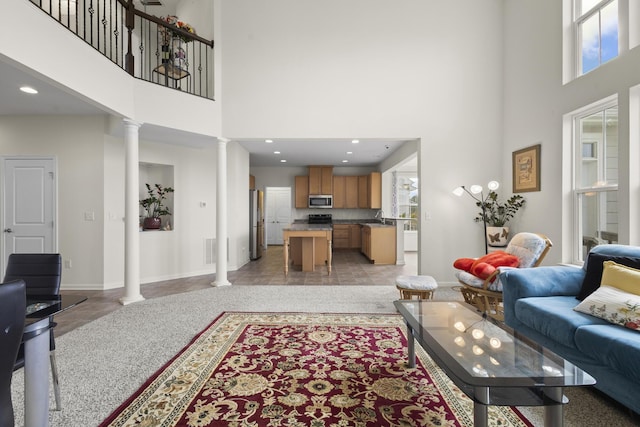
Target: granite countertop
{"x":298,"y":226}
{"x":371,"y":222}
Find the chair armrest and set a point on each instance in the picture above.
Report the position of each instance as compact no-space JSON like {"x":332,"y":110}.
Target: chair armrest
{"x":538,"y":282}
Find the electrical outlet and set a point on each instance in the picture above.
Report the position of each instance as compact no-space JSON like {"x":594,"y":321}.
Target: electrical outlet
{"x":67,"y":263}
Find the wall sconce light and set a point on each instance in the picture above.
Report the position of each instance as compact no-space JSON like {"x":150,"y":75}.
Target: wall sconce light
{"x":474,"y":191}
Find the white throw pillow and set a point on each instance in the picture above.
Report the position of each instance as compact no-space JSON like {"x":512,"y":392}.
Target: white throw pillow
{"x":614,"y":306}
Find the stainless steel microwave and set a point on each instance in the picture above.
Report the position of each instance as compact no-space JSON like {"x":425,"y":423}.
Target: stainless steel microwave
{"x":321,"y":201}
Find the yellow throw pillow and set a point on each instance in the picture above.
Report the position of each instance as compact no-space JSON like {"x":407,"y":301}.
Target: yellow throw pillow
{"x":620,"y":276}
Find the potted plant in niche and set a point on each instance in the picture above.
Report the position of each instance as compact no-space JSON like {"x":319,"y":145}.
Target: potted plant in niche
{"x":154,"y":206}
{"x":496,"y":215}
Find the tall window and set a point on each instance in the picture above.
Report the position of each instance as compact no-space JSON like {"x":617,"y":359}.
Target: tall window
{"x":596,"y":179}
{"x":596,"y":25}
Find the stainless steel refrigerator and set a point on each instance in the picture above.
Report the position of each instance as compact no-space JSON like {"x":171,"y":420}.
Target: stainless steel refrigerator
{"x":256,"y":223}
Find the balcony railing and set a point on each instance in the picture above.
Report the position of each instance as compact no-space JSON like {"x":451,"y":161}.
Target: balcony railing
{"x":144,"y":45}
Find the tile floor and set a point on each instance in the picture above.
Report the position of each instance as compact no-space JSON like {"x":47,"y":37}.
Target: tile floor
{"x":348,"y":268}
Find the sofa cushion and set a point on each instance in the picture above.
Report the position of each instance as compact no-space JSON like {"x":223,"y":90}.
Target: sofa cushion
{"x":594,"y":268}
{"x":613,"y":305}
{"x":613,"y":346}
{"x":554,"y":317}
{"x":620,"y":276}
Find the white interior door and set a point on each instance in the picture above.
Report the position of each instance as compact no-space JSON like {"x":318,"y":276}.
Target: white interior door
{"x":28,"y":215}
{"x":278,"y":213}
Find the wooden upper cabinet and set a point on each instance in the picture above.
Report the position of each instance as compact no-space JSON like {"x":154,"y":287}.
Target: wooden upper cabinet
{"x":363,"y":189}
{"x":302,"y":192}
{"x":315,"y":179}
{"x":339,"y":192}
{"x":370,"y":191}
{"x":327,"y":180}
{"x":320,"y":180}
{"x":351,"y":191}
{"x":375,"y":190}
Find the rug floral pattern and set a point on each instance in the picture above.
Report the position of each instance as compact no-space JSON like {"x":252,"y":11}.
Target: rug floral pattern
{"x":295,"y":370}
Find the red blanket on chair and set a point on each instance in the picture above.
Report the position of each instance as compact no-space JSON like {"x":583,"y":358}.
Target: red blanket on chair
{"x":486,"y":265}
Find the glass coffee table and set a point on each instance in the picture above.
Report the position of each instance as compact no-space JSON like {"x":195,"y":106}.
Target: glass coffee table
{"x":488,"y":362}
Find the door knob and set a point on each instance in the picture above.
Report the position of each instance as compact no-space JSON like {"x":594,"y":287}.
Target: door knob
{"x":8,"y":230}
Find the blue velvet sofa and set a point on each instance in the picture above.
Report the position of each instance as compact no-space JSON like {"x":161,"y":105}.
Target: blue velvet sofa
{"x":539,"y":302}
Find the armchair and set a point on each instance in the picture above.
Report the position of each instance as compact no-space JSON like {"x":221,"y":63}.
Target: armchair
{"x":486,"y":294}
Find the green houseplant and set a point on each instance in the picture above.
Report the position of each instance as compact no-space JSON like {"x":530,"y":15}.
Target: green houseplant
{"x":496,"y":215}
{"x":154,"y":206}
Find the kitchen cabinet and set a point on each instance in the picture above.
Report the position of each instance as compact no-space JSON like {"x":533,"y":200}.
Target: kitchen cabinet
{"x":339,"y":192}
{"x":302,"y":192}
{"x":356,"y":237}
{"x":318,"y":254}
{"x":351,"y":192}
{"x":374,"y":190}
{"x":363,"y":185}
{"x":307,"y":245}
{"x":320,"y":180}
{"x":370,"y":191}
{"x":345,"y":192}
{"x":379,"y":243}
{"x":341,"y":236}
{"x":346,"y":236}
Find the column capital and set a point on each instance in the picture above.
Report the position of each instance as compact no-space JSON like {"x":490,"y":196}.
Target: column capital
{"x":131,"y":122}
{"x":224,"y":140}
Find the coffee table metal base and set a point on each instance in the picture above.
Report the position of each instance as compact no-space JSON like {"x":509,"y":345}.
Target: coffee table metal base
{"x":553,"y":397}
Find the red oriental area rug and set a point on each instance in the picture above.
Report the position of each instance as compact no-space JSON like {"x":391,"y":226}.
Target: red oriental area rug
{"x":302,"y":369}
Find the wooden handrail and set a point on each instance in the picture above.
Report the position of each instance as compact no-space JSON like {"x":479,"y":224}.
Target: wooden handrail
{"x":137,"y":42}
{"x":173,"y":29}
{"x":128,"y":4}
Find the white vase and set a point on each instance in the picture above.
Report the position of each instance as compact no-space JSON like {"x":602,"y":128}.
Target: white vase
{"x":497,"y":236}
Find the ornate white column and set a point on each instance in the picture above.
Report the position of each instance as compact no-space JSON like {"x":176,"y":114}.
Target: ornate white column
{"x":131,"y":215}
{"x":221,"y":215}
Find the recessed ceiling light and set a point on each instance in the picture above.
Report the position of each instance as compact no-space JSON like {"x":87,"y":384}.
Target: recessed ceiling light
{"x":268,"y":141}
{"x":355,"y":141}
{"x":283,"y":161}
{"x":349,"y":152}
{"x":28,"y":89}
{"x":276,"y":152}
{"x":345,"y":161}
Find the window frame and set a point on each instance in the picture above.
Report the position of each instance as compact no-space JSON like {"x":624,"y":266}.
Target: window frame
{"x":577,"y":190}
{"x":578,"y":20}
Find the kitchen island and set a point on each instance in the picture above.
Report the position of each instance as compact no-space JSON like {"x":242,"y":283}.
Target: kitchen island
{"x":307,"y":244}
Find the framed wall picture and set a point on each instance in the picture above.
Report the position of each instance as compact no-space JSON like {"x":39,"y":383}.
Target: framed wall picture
{"x":526,"y":169}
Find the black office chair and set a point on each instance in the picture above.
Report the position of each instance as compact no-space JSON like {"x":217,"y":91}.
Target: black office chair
{"x":41,"y":274}
{"x":12,"y":314}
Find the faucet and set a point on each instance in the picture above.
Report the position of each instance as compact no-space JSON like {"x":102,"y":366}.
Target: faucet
{"x":380,"y":214}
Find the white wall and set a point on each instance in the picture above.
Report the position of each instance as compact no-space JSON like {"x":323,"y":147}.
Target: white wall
{"x":536,"y":100}
{"x":91,"y":179}
{"x":430,"y":71}
{"x":180,"y":253}
{"x":237,"y":205}
{"x":77,"y":144}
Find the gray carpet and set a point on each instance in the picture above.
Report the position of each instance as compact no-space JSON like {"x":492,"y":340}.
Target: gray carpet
{"x":105,"y":361}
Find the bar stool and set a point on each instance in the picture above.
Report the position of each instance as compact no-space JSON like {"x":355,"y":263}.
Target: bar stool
{"x":422,"y":287}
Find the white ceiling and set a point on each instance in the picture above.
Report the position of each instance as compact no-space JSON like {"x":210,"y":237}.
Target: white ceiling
{"x":50,"y":99}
